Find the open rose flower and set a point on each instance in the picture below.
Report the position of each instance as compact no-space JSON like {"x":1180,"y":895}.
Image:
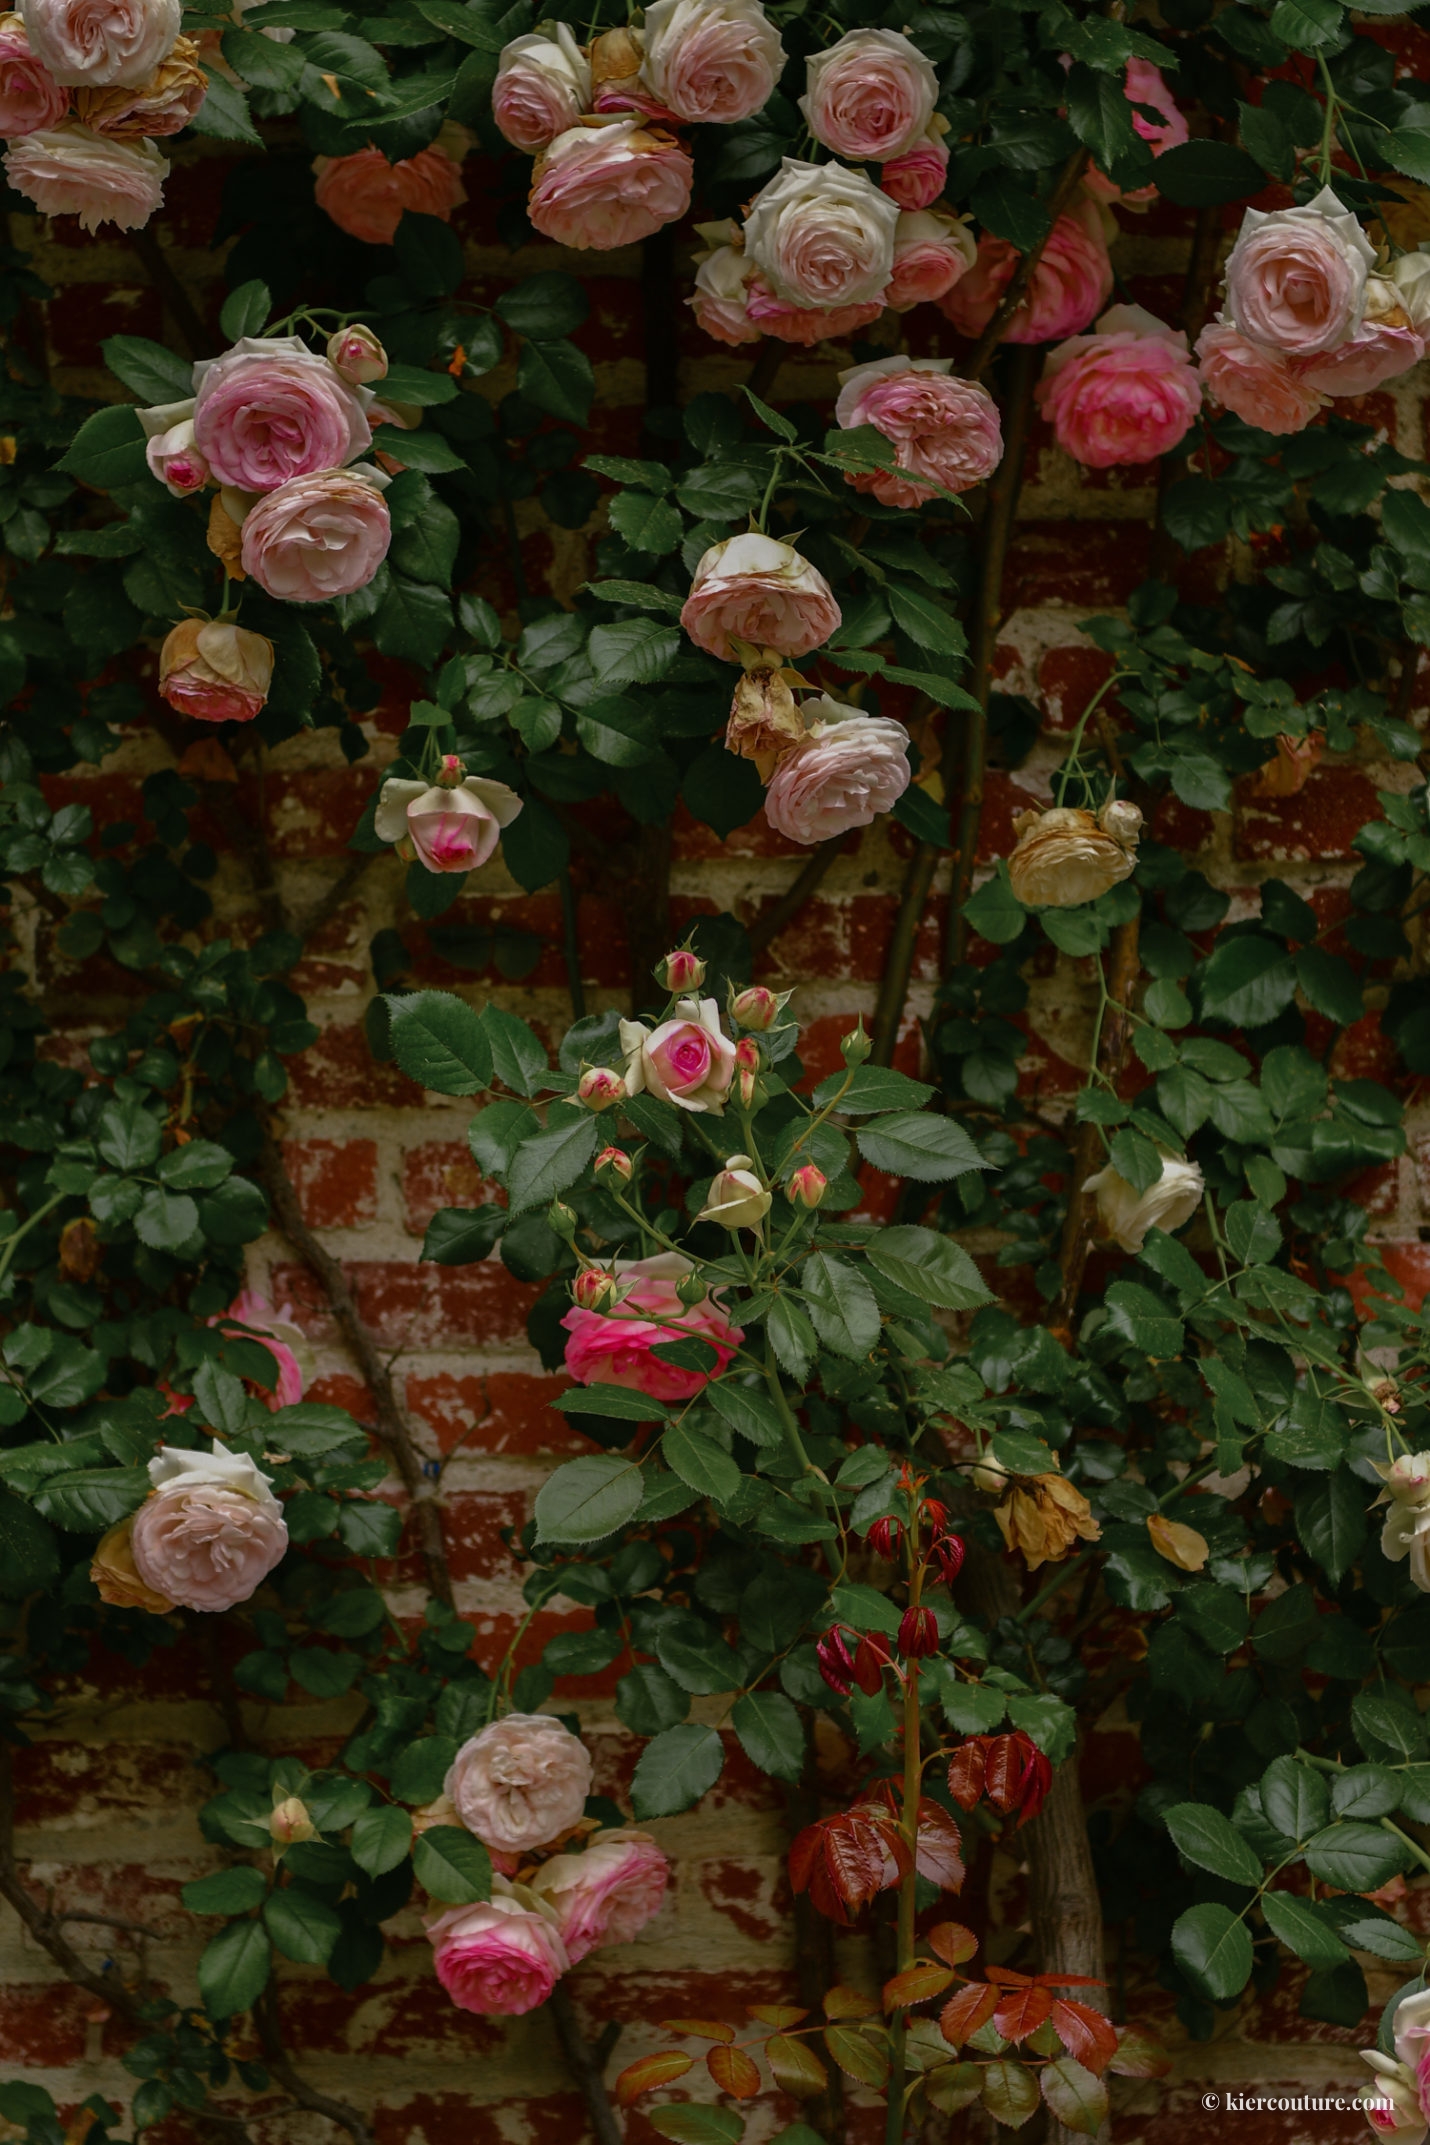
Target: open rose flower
{"x":520,"y":1782}
{"x":1065,"y":856}
{"x":822,"y":236}
{"x":607,"y":1894}
{"x":687,"y":1060}
{"x":211,"y":1530}
{"x":367,"y":197}
{"x":715,"y":61}
{"x":69,"y":171}
{"x":319,"y":536}
{"x":1144,"y":85}
{"x":1069,"y":287}
{"x":165,"y":104}
{"x":871,"y":96}
{"x":916,"y":177}
{"x":1390,"y":2101}
{"x":616,"y":1348}
{"x":1258,"y":385}
{"x":30,"y":97}
{"x":1386,"y":344}
{"x":1295,"y":279}
{"x":610,"y":184}
{"x":501,"y":1958}
{"x":275,"y":1329}
{"x":931,"y":252}
{"x":270,"y":409}
{"x":88,"y":43}
{"x":941,"y":428}
{"x":757,"y":590}
{"x":445,"y":827}
{"x":543,"y":86}
{"x":718,"y":297}
{"x":1126,"y":394}
{"x":216,"y":673}
{"x":115,"y":1574}
{"x":849,"y":768}
{"x":1125,"y":1215}
{"x":805,"y":325}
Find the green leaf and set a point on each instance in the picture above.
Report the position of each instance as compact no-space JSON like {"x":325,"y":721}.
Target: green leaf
{"x":771,"y":1733}
{"x":914,"y":1144}
{"x":29,"y":1554}
{"x":234,"y":1968}
{"x":550,"y":1161}
{"x":1354,"y":1856}
{"x":439,"y":1042}
{"x":426,"y":451}
{"x":1294,"y":1798}
{"x":195,"y":1168}
{"x":245,"y":310}
{"x":792,"y":1337}
{"x":303,"y":1926}
{"x":1202,"y":1835}
{"x":452,"y":1865}
{"x":868,"y":1089}
{"x":698,"y":1460}
{"x":518,"y":1058}
{"x":1246,"y":982}
{"x":166,"y":1223}
{"x":1388,"y":1726}
{"x":413,"y":620}
{"x":1076,"y":2097}
{"x":602,"y":1399}
{"x":558,"y":378}
{"x":697,"y":2122}
{"x":995,"y":911}
{"x":1307,"y":26}
{"x":91,"y":1499}
{"x":1331,"y":985}
{"x":152,"y":372}
{"x":381,"y":1838}
{"x":925,"y":621}
{"x":1201,"y":174}
{"x":647,"y":1700}
{"x":1302,"y":1930}
{"x":633,"y":651}
{"x":1331,"y":1522}
{"x":1213,"y":1949}
{"x":842,"y":1306}
{"x":588,"y":1498}
{"x":460,"y":1236}
{"x":929,"y":1266}
{"x":747,"y":1409}
{"x":676,"y":1768}
{"x":108,"y":450}
{"x":646,"y":523}
{"x":615,"y":730}
{"x":227,"y":1891}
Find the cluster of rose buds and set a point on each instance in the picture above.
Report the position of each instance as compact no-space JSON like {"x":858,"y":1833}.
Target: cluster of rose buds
{"x":1009,"y":1770}
{"x":844,"y":1668}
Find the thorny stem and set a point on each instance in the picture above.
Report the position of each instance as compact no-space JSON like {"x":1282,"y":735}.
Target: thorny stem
{"x":584,"y":2066}
{"x":279,"y":2063}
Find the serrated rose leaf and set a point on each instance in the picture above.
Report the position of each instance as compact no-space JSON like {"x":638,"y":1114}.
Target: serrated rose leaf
{"x":642,"y":2076}
{"x":1139,"y":2056}
{"x":856,"y":2056}
{"x":915,"y":1985}
{"x":779,"y":2015}
{"x":840,"y":2002}
{"x":1010,"y":2093}
{"x":796,"y":2067}
{"x":1021,"y":2012}
{"x":953,"y":1943}
{"x":1085,"y":2034}
{"x":964,"y":2013}
{"x":734,"y":2072}
{"x":1077,"y":2099}
{"x":700,"y":2029}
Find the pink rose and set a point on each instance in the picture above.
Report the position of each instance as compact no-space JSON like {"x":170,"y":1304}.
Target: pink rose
{"x":849,"y":768}
{"x":917,"y":176}
{"x":275,"y":1330}
{"x":822,"y":235}
{"x":69,"y":171}
{"x":615,"y":1348}
{"x":719,"y":297}
{"x":687,"y":1060}
{"x":520,"y":1782}
{"x":174,"y":458}
{"x":1295,"y":279}
{"x":1124,"y":395}
{"x":1260,"y":386}
{"x":753,"y":589}
{"x":317,"y":536}
{"x":162,"y":105}
{"x":357,"y":356}
{"x":711,"y":60}
{"x":216,"y":673}
{"x":211,"y":1530}
{"x":607,"y":1894}
{"x":610,"y":185}
{"x":942,"y":428}
{"x":1386,"y":345}
{"x":270,"y":409}
{"x":871,"y":96}
{"x":543,"y":86}
{"x":30,"y":98}
{"x":802,"y":324}
{"x":366,"y":196}
{"x":502,"y":1958}
{"x":88,"y":43}
{"x":449,"y":826}
{"x":1069,"y":286}
{"x":1144,"y":85}
{"x":931,"y":252}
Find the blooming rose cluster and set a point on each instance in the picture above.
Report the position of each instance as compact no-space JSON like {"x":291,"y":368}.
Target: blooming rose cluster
{"x":86,"y":88}
{"x":564,"y":1885}
{"x":1308,"y":316}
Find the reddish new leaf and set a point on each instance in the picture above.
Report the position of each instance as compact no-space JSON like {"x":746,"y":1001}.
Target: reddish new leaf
{"x":733,"y":2072}
{"x":1139,"y":2056}
{"x":1003,"y":1773}
{"x":840,"y":2002}
{"x":952,"y":1942}
{"x":939,"y":1857}
{"x":966,"y":2011}
{"x":1008,"y":1977}
{"x":1085,"y":2034}
{"x":639,"y":2077}
{"x":965,"y":1773}
{"x":779,"y":2015}
{"x":701,"y":2029}
{"x":1021,"y":2012}
{"x":915,"y":1985}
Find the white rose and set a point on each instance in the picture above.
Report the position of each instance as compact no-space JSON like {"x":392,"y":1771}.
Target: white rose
{"x":543,"y":86}
{"x":1391,"y":2102}
{"x":1411,"y":2028}
{"x":711,"y":60}
{"x":1411,"y":277}
{"x":1406,"y":1533}
{"x":1295,"y":279}
{"x":1126,"y":1215}
{"x":822,"y":235}
{"x":764,"y":594}
{"x":173,"y":1470}
{"x":87,"y":44}
{"x":736,"y":1199}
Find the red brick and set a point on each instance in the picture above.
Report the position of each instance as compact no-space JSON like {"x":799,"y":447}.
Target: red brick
{"x":1068,"y":677}
{"x":336,"y":1180}
{"x":422,"y":1306}
{"x":439,"y":1173}
{"x":509,"y":1410}
{"x":1319,"y":821}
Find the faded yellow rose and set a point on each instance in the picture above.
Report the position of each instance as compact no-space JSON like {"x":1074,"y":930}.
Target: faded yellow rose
{"x":1043,"y":1516}
{"x":113,"y":1571}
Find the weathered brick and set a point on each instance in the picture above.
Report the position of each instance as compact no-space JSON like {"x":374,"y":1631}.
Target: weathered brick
{"x":336,"y":1180}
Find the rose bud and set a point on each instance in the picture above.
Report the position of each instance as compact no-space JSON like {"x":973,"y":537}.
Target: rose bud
{"x":599,"y":1087}
{"x":290,"y":1823}
{"x":807,"y":1186}
{"x":885,"y":1537}
{"x":747,"y":1065}
{"x":918,"y":1634}
{"x":836,"y":1662}
{"x":736,"y":1199}
{"x":692,"y":1289}
{"x":870,"y":1661}
{"x":593,"y":1289}
{"x":682,"y":970}
{"x":756,"y":1008}
{"x":560,"y":1220}
{"x":946,"y":1557}
{"x":615,"y":1163}
{"x":990,"y":1476}
{"x":855,"y":1046}
{"x":357,"y":355}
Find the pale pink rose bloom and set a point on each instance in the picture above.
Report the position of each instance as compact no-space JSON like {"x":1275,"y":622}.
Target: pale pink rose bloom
{"x":211,"y":1530}
{"x":687,"y":1060}
{"x":366,"y":196}
{"x":607,"y":1894}
{"x":69,"y":171}
{"x":805,"y":325}
{"x":276,"y":1330}
{"x":317,"y":537}
{"x":499,"y":1959}
{"x":1411,"y":2029}
{"x":822,"y":235}
{"x":174,"y":458}
{"x":871,"y":96}
{"x":1144,"y":85}
{"x":1258,"y":385}
{"x":615,"y":1348}
{"x":942,"y":428}
{"x":446,"y":827}
{"x":719,"y":300}
{"x":30,"y":98}
{"x":931,"y":252}
{"x":86,"y":44}
{"x":1393,"y":2102}
{"x":609,"y":185}
{"x":916,"y":178}
{"x":1069,"y":286}
{"x":752,"y":588}
{"x":1123,"y":395}
{"x":1295,"y":279}
{"x":711,"y":60}
{"x":520,"y":1782}
{"x":215,"y":673}
{"x":1386,"y":345}
{"x":543,"y":86}
{"x":849,"y":768}
{"x":271,"y":409}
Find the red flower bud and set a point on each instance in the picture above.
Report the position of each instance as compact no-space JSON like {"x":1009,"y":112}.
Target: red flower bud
{"x":593,"y":1289}
{"x":885,"y":1537}
{"x":870,"y":1661}
{"x":807,"y":1186}
{"x":946,"y":1557}
{"x":836,"y":1662}
{"x":682,"y":970}
{"x":755,"y":1008}
{"x":747,"y":1065}
{"x":599,"y":1087}
{"x":617,"y":1162}
{"x":918,"y":1634}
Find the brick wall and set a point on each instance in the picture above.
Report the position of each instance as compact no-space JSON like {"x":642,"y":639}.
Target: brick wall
{"x":107,"y":1798}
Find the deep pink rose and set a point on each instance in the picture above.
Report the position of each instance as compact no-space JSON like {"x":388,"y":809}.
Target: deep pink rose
{"x":30,"y":97}
{"x":803,"y":324}
{"x":499,"y":1959}
{"x":942,"y":428}
{"x":849,"y":768}
{"x":753,"y":589}
{"x":446,"y":826}
{"x":270,"y":409}
{"x":916,"y":178}
{"x":210,"y":1532}
{"x":275,"y":1330}
{"x":687,"y":1060}
{"x":610,"y":185}
{"x":871,"y":96}
{"x":607,"y":1894}
{"x":1069,"y":286}
{"x":1260,"y":386}
{"x":69,"y":171}
{"x":543,"y":86}
{"x":1295,"y":279}
{"x":366,"y":196}
{"x":1124,"y":395}
{"x":615,"y":1348}
{"x":317,"y":537}
{"x":1144,"y":85}
{"x":174,"y":458}
{"x":931,"y":252}
{"x":711,"y":60}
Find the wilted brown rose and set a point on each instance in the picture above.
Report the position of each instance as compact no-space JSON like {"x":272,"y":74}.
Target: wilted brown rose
{"x":225,"y":539}
{"x":1066,"y":856}
{"x":1180,"y":1545}
{"x":1043,"y":1516}
{"x":1292,"y":766}
{"x":113,"y":1571}
{"x":764,"y":720}
{"x":615,"y":57}
{"x":80,"y":1252}
{"x":163,"y":105}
